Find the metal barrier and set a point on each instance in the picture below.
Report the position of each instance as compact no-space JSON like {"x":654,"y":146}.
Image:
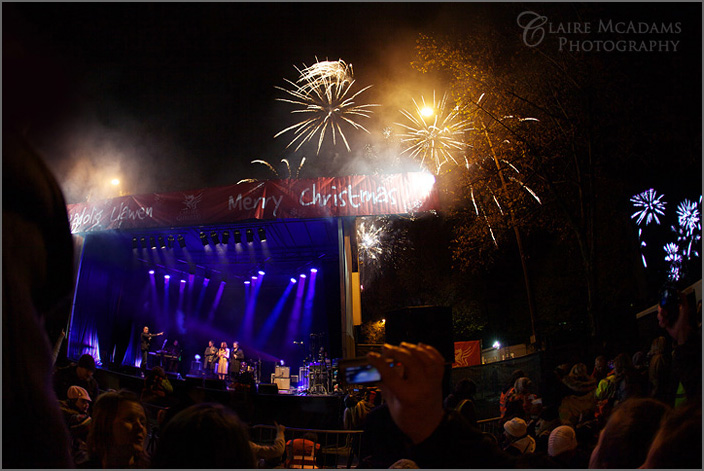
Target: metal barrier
{"x":339,"y":449}
{"x":490,"y":426}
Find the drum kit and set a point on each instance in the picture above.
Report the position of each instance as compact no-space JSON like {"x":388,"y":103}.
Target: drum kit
{"x":319,"y":377}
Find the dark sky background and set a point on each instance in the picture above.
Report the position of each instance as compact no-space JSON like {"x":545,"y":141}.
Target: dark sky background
{"x":171,"y":97}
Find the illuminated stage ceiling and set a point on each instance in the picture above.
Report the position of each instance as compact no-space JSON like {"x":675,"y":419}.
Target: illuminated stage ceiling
{"x":291,"y":246}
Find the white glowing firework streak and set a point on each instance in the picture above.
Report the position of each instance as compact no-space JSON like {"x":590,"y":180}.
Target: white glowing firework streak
{"x":650,"y":204}
{"x":436,"y":141}
{"x":369,"y":240}
{"x":273,"y":170}
{"x":689,"y":220}
{"x":321,"y":91}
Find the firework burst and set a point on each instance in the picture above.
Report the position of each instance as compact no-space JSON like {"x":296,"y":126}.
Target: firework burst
{"x":434,"y":134}
{"x":369,"y":239}
{"x":649,"y":205}
{"x":323,"y":94}
{"x":688,"y":217}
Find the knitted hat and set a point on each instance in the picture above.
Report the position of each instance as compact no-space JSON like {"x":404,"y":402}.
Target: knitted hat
{"x":77,"y":392}
{"x":516,"y":427}
{"x":562,"y":439}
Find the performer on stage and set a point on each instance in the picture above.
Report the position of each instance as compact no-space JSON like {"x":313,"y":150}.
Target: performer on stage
{"x":236,"y":357}
{"x":146,"y":339}
{"x":174,"y":350}
{"x":223,"y":355}
{"x":210,"y":356}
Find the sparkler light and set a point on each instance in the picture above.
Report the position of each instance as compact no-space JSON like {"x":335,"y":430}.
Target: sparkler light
{"x":650,"y":205}
{"x":369,"y":241}
{"x":322,"y":93}
{"x":433,"y":138}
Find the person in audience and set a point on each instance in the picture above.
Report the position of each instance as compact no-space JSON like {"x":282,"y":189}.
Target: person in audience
{"x":659,"y":371}
{"x":118,"y":433}
{"x":626,"y":437}
{"x":157,"y":387}
{"x":462,"y":400}
{"x":507,"y":390}
{"x":382,"y":442}
{"x":78,"y":420}
{"x":204,"y":436}
{"x":678,"y":442}
{"x":519,"y":400}
{"x":581,"y":402}
{"x":676,"y":316}
{"x":563,"y":449}
{"x":411,"y":384}
{"x":355,"y":416}
{"x":37,"y":258}
{"x":627,"y":380}
{"x":601,"y":368}
{"x":547,"y":421}
{"x":518,"y":442}
{"x":80,"y":374}
{"x":264,"y":453}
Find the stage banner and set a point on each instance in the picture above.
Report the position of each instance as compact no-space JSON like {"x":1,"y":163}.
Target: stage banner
{"x":356,"y":195}
{"x":468,"y":353}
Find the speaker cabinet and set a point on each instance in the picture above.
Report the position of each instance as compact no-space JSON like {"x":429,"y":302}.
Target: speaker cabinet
{"x":431,"y":325}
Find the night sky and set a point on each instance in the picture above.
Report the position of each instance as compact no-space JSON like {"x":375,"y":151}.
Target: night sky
{"x":171,"y":97}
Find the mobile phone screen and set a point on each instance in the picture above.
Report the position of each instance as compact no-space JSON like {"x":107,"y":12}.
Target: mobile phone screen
{"x":362,"y":374}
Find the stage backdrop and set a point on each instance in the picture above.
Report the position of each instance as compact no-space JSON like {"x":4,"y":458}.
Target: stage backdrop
{"x":356,"y":195}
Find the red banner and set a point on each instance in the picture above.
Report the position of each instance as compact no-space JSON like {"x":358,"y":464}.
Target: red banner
{"x":468,"y":353}
{"x":357,"y":195}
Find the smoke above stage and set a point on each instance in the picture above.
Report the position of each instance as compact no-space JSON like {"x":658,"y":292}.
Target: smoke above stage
{"x":269,"y":289}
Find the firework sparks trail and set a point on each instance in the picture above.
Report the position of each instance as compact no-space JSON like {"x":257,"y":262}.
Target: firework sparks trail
{"x":273,"y":170}
{"x":322,"y":93}
{"x":642,"y":246}
{"x":672,"y":252}
{"x":433,"y":140}
{"x":369,"y":240}
{"x":650,"y":205}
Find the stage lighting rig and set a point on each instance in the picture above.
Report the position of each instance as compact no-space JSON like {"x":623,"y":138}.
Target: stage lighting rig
{"x":162,"y":242}
{"x":250,"y":235}
{"x":135,"y":243}
{"x":237,"y":236}
{"x":262,"y":234}
{"x":214,"y":237}
{"x":225,"y":237}
{"x":204,"y":238}
{"x":170,"y":241}
{"x":181,"y":241}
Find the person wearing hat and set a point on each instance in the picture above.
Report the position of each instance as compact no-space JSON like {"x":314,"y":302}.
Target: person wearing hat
{"x":78,"y":420}
{"x":518,"y":440}
{"x":562,"y":448}
{"x":80,"y":374}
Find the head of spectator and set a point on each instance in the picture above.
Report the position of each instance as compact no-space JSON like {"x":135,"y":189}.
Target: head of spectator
{"x":657,"y":346}
{"x":204,"y":436}
{"x":626,"y":437}
{"x":85,"y":367}
{"x":116,"y":439}
{"x":465,"y":389}
{"x":515,"y":428}
{"x":562,"y":442}
{"x":678,"y":442}
{"x":523,"y":385}
{"x":512,"y":380}
{"x":675,"y":314}
{"x":223,"y":345}
{"x":78,"y":398}
{"x":622,"y":364}
{"x":600,"y":367}
{"x":579,"y":380}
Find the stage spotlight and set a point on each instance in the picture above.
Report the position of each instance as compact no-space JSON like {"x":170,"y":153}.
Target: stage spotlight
{"x":214,"y":236}
{"x":152,"y":242}
{"x":135,"y":243}
{"x":151,"y":272}
{"x":204,"y":238}
{"x":197,"y":357}
{"x":250,"y":235}
{"x":262,"y":234}
{"x":170,"y":241}
{"x":247,"y":282}
{"x":261,"y":272}
{"x":302,"y":275}
{"x":314,"y":270}
{"x":162,"y":242}
{"x":143,"y":242}
{"x":293,"y":280}
{"x":181,"y":241}
{"x":225,"y":237}
{"x":166,"y":277}
{"x":238,"y":236}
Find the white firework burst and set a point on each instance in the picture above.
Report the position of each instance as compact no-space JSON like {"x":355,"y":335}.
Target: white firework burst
{"x":369,"y":239}
{"x":435,"y":133}
{"x":672,"y":252}
{"x":688,"y":217}
{"x":273,"y":170}
{"x":323,"y":94}
{"x":649,"y":205}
